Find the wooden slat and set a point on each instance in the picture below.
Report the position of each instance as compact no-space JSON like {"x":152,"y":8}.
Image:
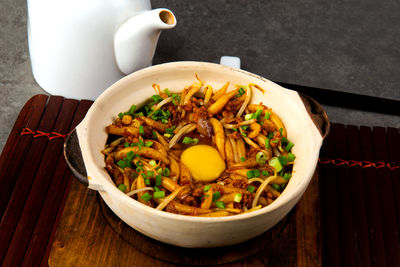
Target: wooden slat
{"x":41,"y":236}
{"x":346,"y":235}
{"x":15,"y":149}
{"x":372,"y":201}
{"x":386,"y":198}
{"x":308,"y":226}
{"x":329,"y":208}
{"x":393,"y":138}
{"x":26,"y":175}
{"x":360,"y":227}
{"x":40,"y":185}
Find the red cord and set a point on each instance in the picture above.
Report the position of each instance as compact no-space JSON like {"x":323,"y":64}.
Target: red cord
{"x":336,"y":162}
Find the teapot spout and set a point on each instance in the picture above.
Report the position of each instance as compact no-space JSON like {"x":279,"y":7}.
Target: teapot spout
{"x":136,"y":40}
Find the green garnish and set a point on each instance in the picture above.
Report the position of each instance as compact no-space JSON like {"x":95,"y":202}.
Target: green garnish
{"x":158,"y":180}
{"x":159,"y":194}
{"x":147,"y":181}
{"x":156,"y":98}
{"x":291,"y":157}
{"x":250,"y":188}
{"x":267,"y":115}
{"x":190,"y":141}
{"x":238,"y":198}
{"x":167,"y":92}
{"x":234,"y":129}
{"x":242,"y":159}
{"x":122,"y":187}
{"x":170,"y":130}
{"x":150,"y":174}
{"x":216,"y":195}
{"x":283,"y":160}
{"x":289,"y":146}
{"x":267,"y":144}
{"x":132,"y":110}
{"x":120,"y":115}
{"x":248,"y":116}
{"x":152,"y":163}
{"x":141,"y":129}
{"x":244,"y":134}
{"x":146,"y":197}
{"x":126,"y":144}
{"x":261,"y":158}
{"x":220,"y":204}
{"x":166,"y":172}
{"x":284,"y":140}
{"x":280,"y":131}
{"x":154,"y":135}
{"x":276,"y":187}
{"x":265,"y":173}
{"x":244,"y":127}
{"x":148,"y":143}
{"x":176,"y":99}
{"x":253,"y":173}
{"x":257,"y":114}
{"x":275,"y":163}
{"x":240,"y":92}
{"x":287,"y":176}
{"x":271,"y":135}
{"x":206,"y":188}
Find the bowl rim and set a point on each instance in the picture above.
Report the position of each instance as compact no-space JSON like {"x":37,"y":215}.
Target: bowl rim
{"x":115,"y":192}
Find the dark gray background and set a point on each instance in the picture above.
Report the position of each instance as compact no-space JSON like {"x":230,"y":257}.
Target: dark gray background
{"x":351,"y":46}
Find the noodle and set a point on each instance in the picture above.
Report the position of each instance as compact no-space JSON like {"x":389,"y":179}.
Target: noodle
{"x":250,"y":159}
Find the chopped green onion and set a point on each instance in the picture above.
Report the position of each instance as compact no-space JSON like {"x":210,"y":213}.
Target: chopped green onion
{"x":276,"y":187}
{"x":146,"y":197}
{"x":257,"y":173}
{"x":154,"y":134}
{"x":152,"y":163}
{"x":275,"y":163}
{"x":283,"y":160}
{"x":141,"y":129}
{"x":170,"y":130}
{"x":267,"y":115}
{"x":159,"y":194}
{"x":220,"y":204}
{"x":176,"y":99}
{"x":248,"y":116}
{"x":234,"y":129}
{"x":265,"y":173}
{"x":130,"y":156}
{"x":250,"y":188}
{"x":138,"y":169}
{"x":134,"y":144}
{"x":287,"y":176}
{"x":158,"y":180}
{"x":238,"y":198}
{"x":167,"y":92}
{"x":165,"y":121}
{"x":150,"y":174}
{"x":206,"y":188}
{"x":284,"y":140}
{"x":157,"y":98}
{"x":253,"y":173}
{"x":122,"y":164}
{"x":242,"y":159}
{"x":289,"y":146}
{"x":275,"y":141}
{"x":280,"y":173}
{"x":156,"y":188}
{"x":271,"y":135}
{"x":257,"y":114}
{"x":261,"y":158}
{"x":120,"y":115}
{"x":126,"y":144}
{"x":148,"y":143}
{"x":244,"y":127}
{"x":132,"y":110}
{"x":166,"y":172}
{"x":291,"y":157}
{"x":244,"y":134}
{"x":240,"y":92}
{"x":122,"y":187}
{"x":190,"y":141}
{"x":267,"y":144}
{"x":280,"y":131}
{"x":147,"y":181}
{"x":216,"y":195}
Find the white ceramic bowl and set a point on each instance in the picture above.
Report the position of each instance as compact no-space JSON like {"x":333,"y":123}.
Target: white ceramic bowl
{"x":189,"y":231}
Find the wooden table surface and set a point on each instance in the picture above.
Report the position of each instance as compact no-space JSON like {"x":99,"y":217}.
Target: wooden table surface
{"x":349,"y":215}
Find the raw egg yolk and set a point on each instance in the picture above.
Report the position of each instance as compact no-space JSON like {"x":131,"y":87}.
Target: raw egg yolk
{"x":204,"y":162}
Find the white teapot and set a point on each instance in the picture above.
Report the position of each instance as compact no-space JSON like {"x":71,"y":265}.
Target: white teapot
{"x":78,"y":48}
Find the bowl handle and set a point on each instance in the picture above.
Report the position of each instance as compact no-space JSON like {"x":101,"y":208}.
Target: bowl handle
{"x":74,"y":159}
{"x":317,"y":114}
